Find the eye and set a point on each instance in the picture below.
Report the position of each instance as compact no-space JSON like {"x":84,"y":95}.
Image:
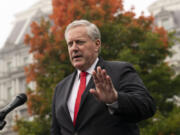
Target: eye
{"x":70,"y":43}
{"x":80,"y":42}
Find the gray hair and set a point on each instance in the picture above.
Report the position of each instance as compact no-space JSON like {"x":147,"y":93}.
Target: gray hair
{"x":92,"y":30}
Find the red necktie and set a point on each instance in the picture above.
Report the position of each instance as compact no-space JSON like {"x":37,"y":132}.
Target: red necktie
{"x":82,"y":87}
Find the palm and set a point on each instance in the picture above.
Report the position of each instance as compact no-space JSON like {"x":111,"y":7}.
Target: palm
{"x":104,"y":87}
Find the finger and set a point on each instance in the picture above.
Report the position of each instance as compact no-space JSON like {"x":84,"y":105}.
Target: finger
{"x":104,"y":74}
{"x":98,"y":85}
{"x":99,"y":74}
{"x":96,"y":80}
{"x":98,"y":69}
{"x":94,"y":92}
{"x":109,"y":81}
{"x":95,"y":77}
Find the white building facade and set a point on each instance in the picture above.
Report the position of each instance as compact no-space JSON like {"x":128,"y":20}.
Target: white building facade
{"x":14,"y":56}
{"x":167,"y":15}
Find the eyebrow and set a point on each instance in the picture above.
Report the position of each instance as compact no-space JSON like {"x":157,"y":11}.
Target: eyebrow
{"x":78,"y":40}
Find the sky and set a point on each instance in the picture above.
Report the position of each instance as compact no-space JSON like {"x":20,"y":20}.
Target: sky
{"x":8,"y":9}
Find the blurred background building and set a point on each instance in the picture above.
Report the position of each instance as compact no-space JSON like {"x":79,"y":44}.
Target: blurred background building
{"x":167,"y":15}
{"x":14,"y":56}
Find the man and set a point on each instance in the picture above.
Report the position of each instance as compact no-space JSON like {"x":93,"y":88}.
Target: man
{"x":100,"y":97}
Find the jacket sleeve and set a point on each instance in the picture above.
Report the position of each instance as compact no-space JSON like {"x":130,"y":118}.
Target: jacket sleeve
{"x":134,"y":101}
{"x":55,"y":129}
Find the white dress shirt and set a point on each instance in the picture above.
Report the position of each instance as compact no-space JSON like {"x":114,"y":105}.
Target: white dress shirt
{"x":74,"y":91}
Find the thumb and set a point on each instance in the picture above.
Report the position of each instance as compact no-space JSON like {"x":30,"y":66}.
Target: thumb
{"x":94,"y":92}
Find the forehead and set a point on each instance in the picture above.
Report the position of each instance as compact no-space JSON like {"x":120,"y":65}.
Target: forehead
{"x":77,"y":32}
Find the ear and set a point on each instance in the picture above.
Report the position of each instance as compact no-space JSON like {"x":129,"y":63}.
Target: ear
{"x":98,"y":44}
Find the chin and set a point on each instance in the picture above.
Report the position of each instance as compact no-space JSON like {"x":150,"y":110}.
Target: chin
{"x":78,"y":66}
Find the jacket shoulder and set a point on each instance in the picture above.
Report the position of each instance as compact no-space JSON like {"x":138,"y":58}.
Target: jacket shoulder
{"x":65,"y":80}
{"x":118,"y":65}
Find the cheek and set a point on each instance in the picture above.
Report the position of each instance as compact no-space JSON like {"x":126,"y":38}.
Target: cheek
{"x":90,"y":51}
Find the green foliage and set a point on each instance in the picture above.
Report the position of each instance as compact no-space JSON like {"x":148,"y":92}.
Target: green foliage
{"x":38,"y":126}
{"x":162,"y":125}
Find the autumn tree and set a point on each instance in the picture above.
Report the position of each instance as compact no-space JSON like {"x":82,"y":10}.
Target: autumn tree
{"x":124,"y":37}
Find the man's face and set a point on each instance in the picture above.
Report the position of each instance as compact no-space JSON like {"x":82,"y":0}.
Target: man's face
{"x":82,"y":49}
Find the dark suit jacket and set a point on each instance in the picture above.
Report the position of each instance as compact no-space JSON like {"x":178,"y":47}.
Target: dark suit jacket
{"x":135,"y":104}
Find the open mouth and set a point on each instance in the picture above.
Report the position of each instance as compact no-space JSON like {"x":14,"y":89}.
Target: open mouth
{"x":76,"y":56}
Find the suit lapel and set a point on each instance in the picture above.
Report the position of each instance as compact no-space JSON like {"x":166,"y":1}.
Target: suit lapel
{"x":67,"y":92}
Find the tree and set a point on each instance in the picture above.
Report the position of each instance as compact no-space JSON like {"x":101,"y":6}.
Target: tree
{"x":164,"y":125}
{"x":124,"y":37}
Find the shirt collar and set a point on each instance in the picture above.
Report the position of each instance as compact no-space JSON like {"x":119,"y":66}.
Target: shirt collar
{"x":91,"y":68}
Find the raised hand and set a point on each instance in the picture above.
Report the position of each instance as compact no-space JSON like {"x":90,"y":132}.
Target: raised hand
{"x":105,"y":90}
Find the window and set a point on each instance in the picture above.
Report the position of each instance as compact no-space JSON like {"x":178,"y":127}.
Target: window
{"x":167,"y":23}
{"x":25,"y":60}
{"x":9,"y":93}
{"x":9,"y":66}
{"x":23,"y":85}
